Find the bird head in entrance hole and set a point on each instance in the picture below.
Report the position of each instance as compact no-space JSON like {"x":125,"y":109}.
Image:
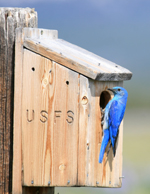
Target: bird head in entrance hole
{"x":113,"y":115}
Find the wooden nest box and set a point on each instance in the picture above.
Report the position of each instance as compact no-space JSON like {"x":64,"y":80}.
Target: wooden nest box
{"x":60,"y":90}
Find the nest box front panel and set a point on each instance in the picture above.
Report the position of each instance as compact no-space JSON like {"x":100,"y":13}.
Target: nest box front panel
{"x":93,"y":97}
{"x":61,"y":127}
{"x":50,"y":114}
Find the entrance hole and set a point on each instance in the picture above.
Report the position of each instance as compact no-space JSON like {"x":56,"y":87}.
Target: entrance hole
{"x":104,"y":99}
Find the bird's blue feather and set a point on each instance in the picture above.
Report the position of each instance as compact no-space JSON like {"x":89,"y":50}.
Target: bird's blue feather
{"x":114,"y":113}
{"x":104,"y":144}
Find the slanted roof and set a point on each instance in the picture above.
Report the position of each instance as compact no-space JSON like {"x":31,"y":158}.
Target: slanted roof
{"x":77,"y":59}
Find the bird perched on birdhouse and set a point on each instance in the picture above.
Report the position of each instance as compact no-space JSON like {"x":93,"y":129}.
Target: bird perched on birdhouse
{"x":113,"y":116}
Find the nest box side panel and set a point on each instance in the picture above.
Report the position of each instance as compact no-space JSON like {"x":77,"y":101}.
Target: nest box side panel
{"x":49,"y":122}
{"x":90,"y":171}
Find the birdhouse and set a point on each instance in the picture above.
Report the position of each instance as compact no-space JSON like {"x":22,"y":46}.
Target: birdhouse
{"x":60,"y":95}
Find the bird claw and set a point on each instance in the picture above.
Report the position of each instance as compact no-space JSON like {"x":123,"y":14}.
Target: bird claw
{"x":108,"y":152}
{"x":102,"y":110}
{"x":102,"y":122}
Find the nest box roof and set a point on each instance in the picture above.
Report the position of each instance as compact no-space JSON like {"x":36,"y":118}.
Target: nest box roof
{"x":74,"y":57}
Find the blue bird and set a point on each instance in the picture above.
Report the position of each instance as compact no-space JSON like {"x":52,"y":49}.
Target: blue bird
{"x":113,"y":116}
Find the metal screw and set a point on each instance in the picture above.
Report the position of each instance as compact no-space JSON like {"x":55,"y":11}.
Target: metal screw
{"x":68,"y":182}
{"x":97,"y":182}
{"x":49,"y":182}
{"x":32,"y":182}
{"x":87,"y":146}
{"x":50,"y":70}
{"x":109,"y":182}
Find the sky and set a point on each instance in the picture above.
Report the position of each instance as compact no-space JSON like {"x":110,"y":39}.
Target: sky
{"x":116,"y":30}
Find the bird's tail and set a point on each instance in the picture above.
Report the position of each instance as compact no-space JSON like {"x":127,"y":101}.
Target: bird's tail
{"x":105,"y":141}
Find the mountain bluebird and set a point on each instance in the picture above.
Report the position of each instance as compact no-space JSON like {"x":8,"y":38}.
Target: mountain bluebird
{"x":113,"y":116}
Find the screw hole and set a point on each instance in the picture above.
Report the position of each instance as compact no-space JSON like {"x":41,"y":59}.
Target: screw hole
{"x":33,"y":69}
{"x":67,"y":82}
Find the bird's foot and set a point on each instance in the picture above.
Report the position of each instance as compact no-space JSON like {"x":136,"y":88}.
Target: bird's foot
{"x":108,"y":151}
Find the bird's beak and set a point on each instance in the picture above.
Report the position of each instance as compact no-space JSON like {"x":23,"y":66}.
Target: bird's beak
{"x":112,"y":90}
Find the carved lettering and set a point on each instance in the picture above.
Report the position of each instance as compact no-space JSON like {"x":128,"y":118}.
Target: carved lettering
{"x":44,"y":115}
{"x":70,"y":118}
{"x":30,"y":120}
{"x":57,"y":114}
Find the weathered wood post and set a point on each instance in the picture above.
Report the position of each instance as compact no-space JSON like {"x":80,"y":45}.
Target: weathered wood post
{"x":10,"y":19}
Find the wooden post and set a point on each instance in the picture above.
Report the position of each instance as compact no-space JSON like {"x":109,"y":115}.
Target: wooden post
{"x":10,"y":19}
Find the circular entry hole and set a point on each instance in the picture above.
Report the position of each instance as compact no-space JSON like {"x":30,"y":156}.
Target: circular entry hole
{"x":67,"y":82}
{"x":104,"y":99}
{"x":33,"y":69}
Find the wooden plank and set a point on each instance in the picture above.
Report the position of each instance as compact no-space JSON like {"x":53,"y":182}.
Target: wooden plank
{"x":40,"y":34}
{"x":90,"y":172}
{"x":36,"y":155}
{"x":21,"y":17}
{"x":49,"y":122}
{"x":102,"y":64}
{"x":84,"y":129}
{"x":17,"y":148}
{"x":3,"y":96}
{"x":65,"y":126}
{"x":57,"y":56}
{"x":9,"y":102}
{"x":17,"y":154}
{"x":78,"y":59}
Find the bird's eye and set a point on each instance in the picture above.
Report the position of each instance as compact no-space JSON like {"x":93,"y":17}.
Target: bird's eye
{"x":118,"y":89}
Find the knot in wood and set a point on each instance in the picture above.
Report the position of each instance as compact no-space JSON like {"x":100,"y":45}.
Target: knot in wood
{"x":62,"y":167}
{"x":84,"y":100}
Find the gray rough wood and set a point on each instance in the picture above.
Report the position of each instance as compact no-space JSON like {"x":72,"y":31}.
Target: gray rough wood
{"x":10,"y":19}
{"x":78,"y":59}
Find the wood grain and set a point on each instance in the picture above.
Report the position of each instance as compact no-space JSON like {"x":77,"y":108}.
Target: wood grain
{"x":49,"y":122}
{"x":90,"y":172}
{"x":60,"y":120}
{"x":9,"y":20}
{"x":79,"y":60}
{"x":17,"y":154}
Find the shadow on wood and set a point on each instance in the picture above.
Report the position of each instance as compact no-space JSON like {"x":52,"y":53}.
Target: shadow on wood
{"x":38,"y":190}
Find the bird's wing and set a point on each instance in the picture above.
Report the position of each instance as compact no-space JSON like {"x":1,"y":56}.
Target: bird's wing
{"x":116,"y":113}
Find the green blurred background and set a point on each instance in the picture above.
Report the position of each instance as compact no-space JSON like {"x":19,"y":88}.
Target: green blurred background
{"x":118,"y":31}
